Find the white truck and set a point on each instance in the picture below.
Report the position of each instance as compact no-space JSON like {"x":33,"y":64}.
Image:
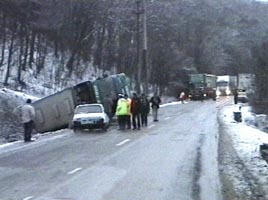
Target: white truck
{"x":226,"y":85}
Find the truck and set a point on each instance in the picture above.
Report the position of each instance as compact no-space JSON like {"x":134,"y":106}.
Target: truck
{"x":226,"y":85}
{"x":245,"y":86}
{"x":202,"y":86}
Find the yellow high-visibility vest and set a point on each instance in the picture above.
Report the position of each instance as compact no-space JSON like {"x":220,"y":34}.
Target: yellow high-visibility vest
{"x":122,"y":107}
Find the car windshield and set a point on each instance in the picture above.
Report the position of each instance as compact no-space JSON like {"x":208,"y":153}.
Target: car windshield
{"x":88,"y":109}
{"x":222,"y":84}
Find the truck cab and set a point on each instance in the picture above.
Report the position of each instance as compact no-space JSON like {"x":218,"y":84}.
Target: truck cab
{"x":202,"y":86}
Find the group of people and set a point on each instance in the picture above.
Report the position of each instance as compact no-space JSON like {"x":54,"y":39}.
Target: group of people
{"x":133,"y":112}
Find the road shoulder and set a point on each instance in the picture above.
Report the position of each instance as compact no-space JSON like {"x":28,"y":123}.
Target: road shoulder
{"x":238,"y":178}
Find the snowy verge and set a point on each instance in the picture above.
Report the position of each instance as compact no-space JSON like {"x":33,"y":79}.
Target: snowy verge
{"x":245,"y":166}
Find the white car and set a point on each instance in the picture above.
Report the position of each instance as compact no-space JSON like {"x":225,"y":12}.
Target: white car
{"x":242,"y":97}
{"x":89,"y":116}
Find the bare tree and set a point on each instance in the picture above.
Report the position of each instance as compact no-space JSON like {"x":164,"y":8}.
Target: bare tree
{"x":10,"y":53}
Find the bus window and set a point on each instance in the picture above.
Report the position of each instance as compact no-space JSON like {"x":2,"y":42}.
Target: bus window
{"x":57,"y":111}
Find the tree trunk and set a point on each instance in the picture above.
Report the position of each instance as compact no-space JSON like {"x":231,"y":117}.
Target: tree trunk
{"x":77,"y":46}
{"x":100,"y":42}
{"x":3,"y":41}
{"x":10,"y":53}
{"x":41,"y":53}
{"x":27,"y":39}
{"x":21,"y":53}
{"x":32,"y":46}
{"x":56,"y":46}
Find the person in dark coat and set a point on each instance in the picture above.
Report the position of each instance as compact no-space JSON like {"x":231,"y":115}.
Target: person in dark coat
{"x":135,"y":111}
{"x":235,"y":96}
{"x":155,"y":103}
{"x":144,"y":110}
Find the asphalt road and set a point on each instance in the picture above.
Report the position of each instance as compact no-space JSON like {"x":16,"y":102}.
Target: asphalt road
{"x":173,"y":159}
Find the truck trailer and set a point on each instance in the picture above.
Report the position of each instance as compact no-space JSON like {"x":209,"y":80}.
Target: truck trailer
{"x":202,"y":86}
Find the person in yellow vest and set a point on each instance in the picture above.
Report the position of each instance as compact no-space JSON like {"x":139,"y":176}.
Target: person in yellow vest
{"x":122,"y":110}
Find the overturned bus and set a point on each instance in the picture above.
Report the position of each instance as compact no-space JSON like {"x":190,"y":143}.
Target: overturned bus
{"x":56,"y":111}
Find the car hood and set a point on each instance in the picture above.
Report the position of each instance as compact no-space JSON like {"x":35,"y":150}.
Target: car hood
{"x":89,"y":115}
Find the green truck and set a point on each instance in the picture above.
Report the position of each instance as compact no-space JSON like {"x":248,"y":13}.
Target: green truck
{"x":202,"y":86}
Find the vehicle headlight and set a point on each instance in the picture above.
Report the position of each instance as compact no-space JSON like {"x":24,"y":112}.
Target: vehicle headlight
{"x":218,"y":93}
{"x":99,"y":121}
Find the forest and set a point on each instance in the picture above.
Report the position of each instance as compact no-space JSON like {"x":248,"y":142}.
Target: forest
{"x":182,"y":36}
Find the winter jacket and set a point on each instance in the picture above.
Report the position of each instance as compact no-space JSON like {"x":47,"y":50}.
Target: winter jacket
{"x":155,"y":101}
{"x":182,"y":96}
{"x":135,"y":105}
{"x":27,"y":113}
{"x":122,"y":107}
{"x":145,"y":105}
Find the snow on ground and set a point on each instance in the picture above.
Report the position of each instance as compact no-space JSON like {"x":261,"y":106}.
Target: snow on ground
{"x":246,"y":139}
{"x":19,"y":96}
{"x":173,"y":103}
{"x":246,"y":136}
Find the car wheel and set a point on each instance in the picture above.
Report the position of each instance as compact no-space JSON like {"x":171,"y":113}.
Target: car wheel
{"x":105,"y":127}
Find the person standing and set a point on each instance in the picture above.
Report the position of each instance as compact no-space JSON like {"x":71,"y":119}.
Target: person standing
{"x":135,"y":111}
{"x":235,"y":96}
{"x":144,"y":109}
{"x":122,"y":112}
{"x":128,"y":117}
{"x":182,"y":97}
{"x":155,"y":102}
{"x":27,"y":117}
